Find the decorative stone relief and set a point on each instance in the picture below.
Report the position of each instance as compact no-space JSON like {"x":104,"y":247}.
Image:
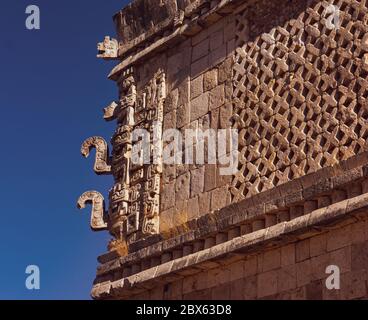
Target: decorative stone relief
{"x":135,"y":197}
{"x":108,"y":49}
{"x":102,"y":160}
{"x":300,"y":92}
{"x":98,"y":217}
{"x":153,"y":99}
{"x":110,"y":111}
{"x":179,"y":18}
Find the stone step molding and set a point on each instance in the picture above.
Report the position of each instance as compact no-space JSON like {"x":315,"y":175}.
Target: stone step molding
{"x":310,"y":192}
{"x":311,"y":224}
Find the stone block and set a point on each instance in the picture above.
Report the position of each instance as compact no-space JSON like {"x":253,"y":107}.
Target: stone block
{"x":225,"y":70}
{"x":197,"y":181}
{"x":218,"y":55}
{"x":226,"y":112}
{"x":171,"y":101}
{"x":303,"y":273}
{"x":214,"y":119}
{"x":314,"y":290}
{"x":229,"y":30}
{"x":182,"y":187}
{"x":199,"y":106}
{"x":196,"y":87}
{"x":204,"y":202}
{"x":250,"y":266}
{"x":359,"y":256}
{"x":318,"y":245}
{"x":169,"y":120}
{"x":250,"y":288}
{"x":318,"y":266}
{"x":210,"y":177}
{"x":236,"y":289}
{"x":199,"y":67}
{"x":168,"y":173}
{"x":221,"y":292}
{"x":199,"y":37}
{"x":184,"y":91}
{"x":302,"y":250}
{"x":353,"y":285}
{"x":286,"y":278}
{"x":218,"y":198}
{"x":217,"y":97}
{"x":201,"y":49}
{"x":168,"y":196}
{"x":210,"y":79}
{"x":288,"y":255}
{"x":339,"y":238}
{"x":167,"y":221}
{"x":266,"y":284}
{"x":157,"y":293}
{"x":342,"y":259}
{"x":271,"y":260}
{"x":198,"y":295}
{"x":216,"y":39}
{"x":193,"y":208}
{"x":359,"y":232}
{"x":230,"y":46}
{"x":183,"y":115}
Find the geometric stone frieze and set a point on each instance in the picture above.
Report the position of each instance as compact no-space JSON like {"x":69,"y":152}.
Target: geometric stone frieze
{"x":300,"y":90}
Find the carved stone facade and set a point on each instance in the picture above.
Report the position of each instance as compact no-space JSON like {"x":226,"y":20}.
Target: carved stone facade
{"x":135,"y":198}
{"x":291,"y":78}
{"x":300,"y":89}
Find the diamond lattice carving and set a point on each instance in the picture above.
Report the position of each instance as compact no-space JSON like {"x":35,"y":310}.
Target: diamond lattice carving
{"x":300,"y":89}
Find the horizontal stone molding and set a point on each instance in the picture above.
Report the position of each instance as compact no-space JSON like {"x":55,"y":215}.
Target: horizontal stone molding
{"x":353,"y":209}
{"x":267,"y":206}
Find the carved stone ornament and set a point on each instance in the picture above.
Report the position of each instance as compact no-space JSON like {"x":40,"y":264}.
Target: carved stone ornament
{"x":151,"y":225}
{"x":110,"y":111}
{"x":108,"y":49}
{"x":102,"y":160}
{"x":134,"y":200}
{"x":179,"y":18}
{"x":98,"y":217}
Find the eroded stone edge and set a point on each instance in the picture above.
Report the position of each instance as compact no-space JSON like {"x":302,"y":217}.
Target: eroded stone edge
{"x":243,"y":244}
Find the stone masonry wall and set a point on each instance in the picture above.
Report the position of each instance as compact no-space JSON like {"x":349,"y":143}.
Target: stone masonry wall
{"x":299,"y":89}
{"x":293,"y":86}
{"x":293,"y":271}
{"x":290,"y":76}
{"x":199,"y":86}
{"x":199,"y":89}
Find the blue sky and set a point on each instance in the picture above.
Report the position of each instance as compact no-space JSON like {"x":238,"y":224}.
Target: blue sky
{"x":52,"y":91}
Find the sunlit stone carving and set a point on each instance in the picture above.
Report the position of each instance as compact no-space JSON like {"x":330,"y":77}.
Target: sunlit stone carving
{"x":101,"y":165}
{"x":108,"y":49}
{"x":98,"y":217}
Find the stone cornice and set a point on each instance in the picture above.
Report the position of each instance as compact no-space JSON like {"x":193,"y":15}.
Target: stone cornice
{"x":185,"y":23}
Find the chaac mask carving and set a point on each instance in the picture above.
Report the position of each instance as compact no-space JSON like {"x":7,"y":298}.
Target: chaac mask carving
{"x":134,"y":200}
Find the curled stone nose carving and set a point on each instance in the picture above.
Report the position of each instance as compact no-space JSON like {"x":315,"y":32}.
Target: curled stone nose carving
{"x":98,"y":217}
{"x":102,"y":160}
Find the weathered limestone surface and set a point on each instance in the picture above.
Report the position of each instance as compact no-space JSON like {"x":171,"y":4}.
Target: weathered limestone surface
{"x":291,"y":77}
{"x":296,"y":251}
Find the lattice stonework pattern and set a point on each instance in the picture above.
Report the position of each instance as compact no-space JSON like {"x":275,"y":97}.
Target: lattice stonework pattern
{"x":300,"y":89}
